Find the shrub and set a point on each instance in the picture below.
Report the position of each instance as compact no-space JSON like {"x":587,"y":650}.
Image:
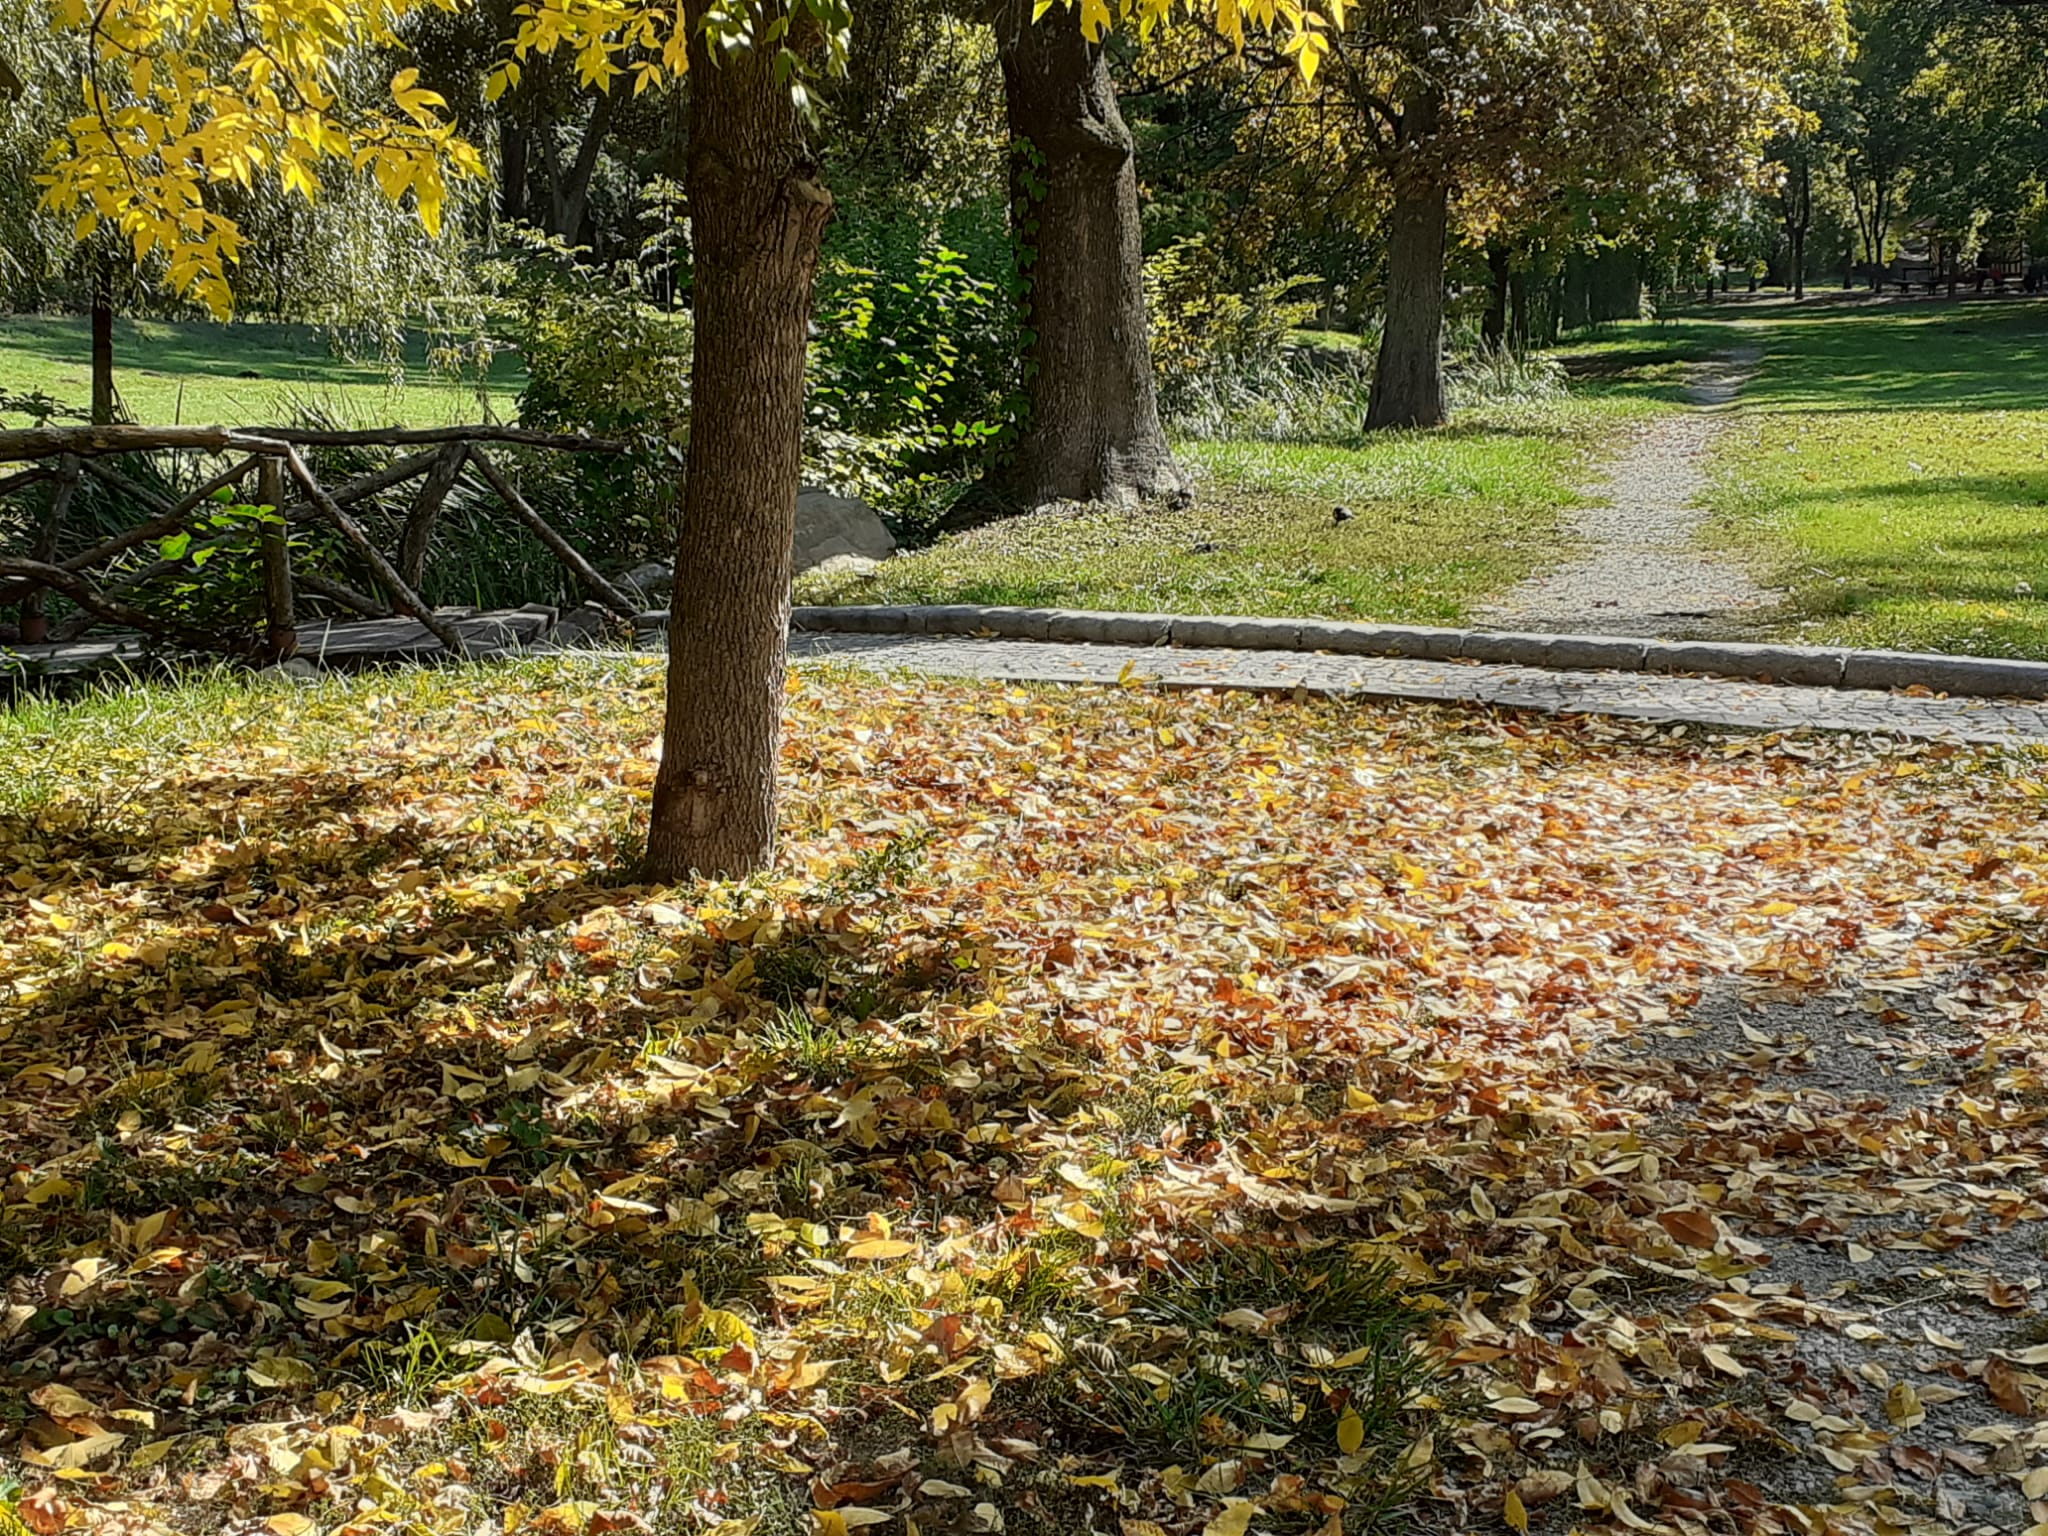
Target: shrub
{"x":913,"y":361}
{"x":602,"y":359}
{"x":1201,"y":334}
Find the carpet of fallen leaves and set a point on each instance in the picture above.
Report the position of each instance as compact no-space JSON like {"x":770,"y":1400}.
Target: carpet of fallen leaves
{"x":1146,"y":1114}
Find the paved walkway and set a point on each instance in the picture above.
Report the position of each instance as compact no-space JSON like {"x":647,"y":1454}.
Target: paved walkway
{"x":1633,"y":696}
{"x":1640,"y":570}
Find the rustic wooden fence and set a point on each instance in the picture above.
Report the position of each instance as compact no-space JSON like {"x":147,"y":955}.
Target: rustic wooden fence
{"x":267,"y":468}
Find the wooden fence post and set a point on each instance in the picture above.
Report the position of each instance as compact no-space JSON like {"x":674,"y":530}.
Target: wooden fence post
{"x":281,"y":636}
{"x":35,"y":623}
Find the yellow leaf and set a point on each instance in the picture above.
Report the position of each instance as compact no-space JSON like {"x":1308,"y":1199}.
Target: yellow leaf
{"x":1721,"y":1360}
{"x":1234,"y":1519}
{"x":880,"y":1248}
{"x":1511,"y":1510}
{"x":1350,"y":1432}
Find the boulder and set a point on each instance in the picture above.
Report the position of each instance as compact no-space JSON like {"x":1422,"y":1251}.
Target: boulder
{"x":829,"y":526}
{"x":652,"y":580}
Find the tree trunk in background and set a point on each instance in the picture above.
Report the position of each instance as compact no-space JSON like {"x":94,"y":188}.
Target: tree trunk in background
{"x":1408,"y":380}
{"x":103,"y":396}
{"x":511,"y":170}
{"x":1493,"y":325}
{"x":1797,"y":222}
{"x":758,"y":214}
{"x":1094,"y":432}
{"x":575,"y":202}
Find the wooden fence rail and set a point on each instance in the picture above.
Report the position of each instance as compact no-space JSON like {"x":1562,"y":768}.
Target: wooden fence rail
{"x":63,"y":457}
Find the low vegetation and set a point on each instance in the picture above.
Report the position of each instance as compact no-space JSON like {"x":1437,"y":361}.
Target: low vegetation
{"x":245,"y":375}
{"x":1891,"y":472}
{"x":1433,"y":523}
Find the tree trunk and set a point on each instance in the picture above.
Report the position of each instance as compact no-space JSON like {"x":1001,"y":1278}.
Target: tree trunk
{"x":1493,"y":325}
{"x":511,"y":170}
{"x":758,"y":214}
{"x":1519,"y":327}
{"x":1408,"y":379}
{"x":1800,"y":222}
{"x":103,"y":397}
{"x":1093,"y":433}
{"x":575,"y":198}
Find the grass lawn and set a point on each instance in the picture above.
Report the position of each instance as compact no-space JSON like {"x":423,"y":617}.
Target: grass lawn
{"x":1444,"y":520}
{"x":1890,"y":468}
{"x":1117,"y":1108}
{"x":191,"y":372}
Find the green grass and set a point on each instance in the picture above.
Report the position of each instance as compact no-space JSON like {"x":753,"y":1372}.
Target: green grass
{"x":191,"y":372}
{"x":1444,"y":520}
{"x":1890,"y":471}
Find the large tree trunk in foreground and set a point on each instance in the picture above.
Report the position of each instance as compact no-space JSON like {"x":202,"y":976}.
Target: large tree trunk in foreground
{"x":1408,"y":382}
{"x":1094,"y":431}
{"x":757,"y":216}
{"x":103,"y":397}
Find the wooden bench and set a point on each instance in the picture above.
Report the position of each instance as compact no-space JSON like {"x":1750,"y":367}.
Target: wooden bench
{"x":1998,"y":271}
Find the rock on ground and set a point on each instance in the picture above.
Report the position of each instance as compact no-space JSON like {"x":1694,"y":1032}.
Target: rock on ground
{"x":829,"y":526}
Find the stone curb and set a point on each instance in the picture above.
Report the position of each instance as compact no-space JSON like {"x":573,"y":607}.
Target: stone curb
{"x":1803,"y":665}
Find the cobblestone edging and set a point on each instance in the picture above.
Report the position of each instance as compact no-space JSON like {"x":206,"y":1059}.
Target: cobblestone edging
{"x":1799,"y":665}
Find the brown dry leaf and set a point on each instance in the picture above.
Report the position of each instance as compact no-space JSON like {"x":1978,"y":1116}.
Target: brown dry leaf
{"x":1695,"y":1229}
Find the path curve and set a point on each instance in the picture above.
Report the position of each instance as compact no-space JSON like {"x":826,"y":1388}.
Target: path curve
{"x":1640,"y":571}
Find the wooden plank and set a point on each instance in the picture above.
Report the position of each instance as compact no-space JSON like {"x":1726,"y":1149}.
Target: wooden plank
{"x":357,"y":642}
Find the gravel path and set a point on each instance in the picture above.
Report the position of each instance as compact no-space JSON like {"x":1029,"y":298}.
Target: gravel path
{"x":1876,"y":1267}
{"x":1628,"y":695}
{"x":1641,"y":572}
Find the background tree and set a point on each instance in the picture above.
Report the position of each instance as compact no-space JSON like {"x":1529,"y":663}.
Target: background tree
{"x":1480,"y":100}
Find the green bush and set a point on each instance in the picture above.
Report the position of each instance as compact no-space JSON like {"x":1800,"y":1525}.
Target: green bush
{"x":1201,"y":334}
{"x":601,"y":359}
{"x":913,"y":363}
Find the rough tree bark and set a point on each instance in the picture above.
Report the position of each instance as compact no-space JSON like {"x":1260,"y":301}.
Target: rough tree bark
{"x":758,"y":213}
{"x":103,"y":397}
{"x":1408,"y":381}
{"x":1094,"y":432}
